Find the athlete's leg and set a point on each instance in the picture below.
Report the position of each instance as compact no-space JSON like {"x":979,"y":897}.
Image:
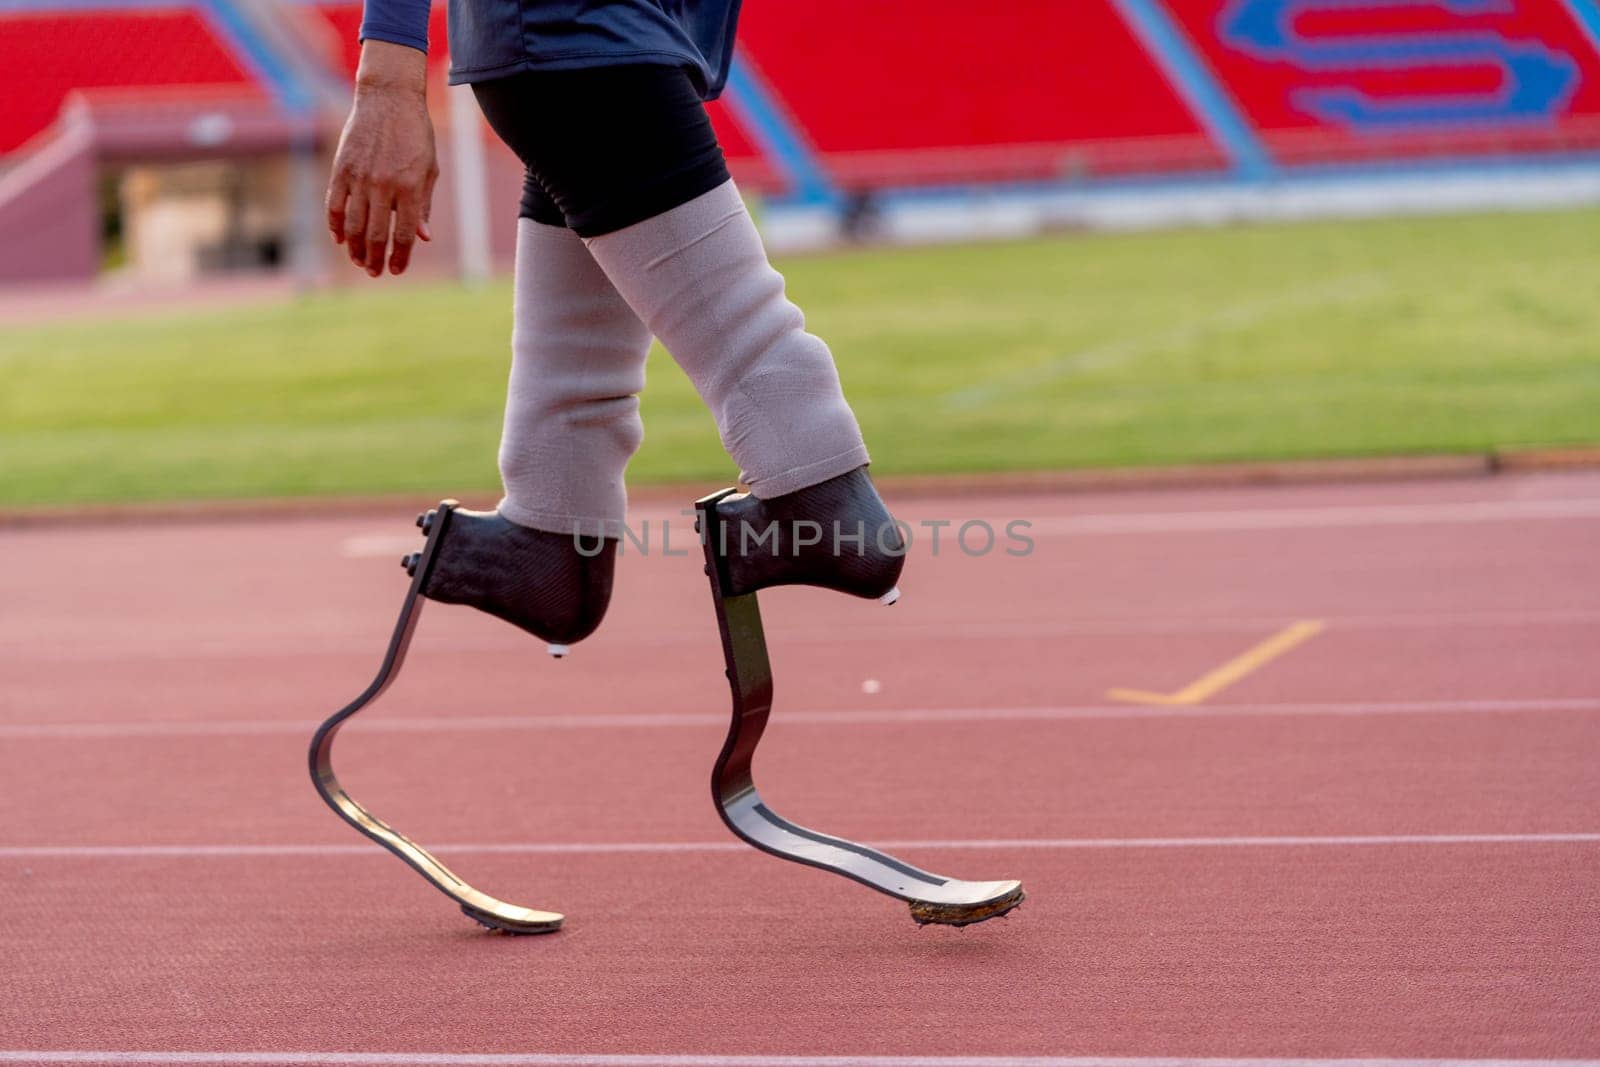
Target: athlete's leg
{"x":544,"y":559}
{"x":629,"y":156}
{"x":572,"y":405}
{"x":699,"y":277}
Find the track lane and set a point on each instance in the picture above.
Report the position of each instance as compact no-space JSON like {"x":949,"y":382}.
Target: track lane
{"x":1483,"y":772}
{"x":1422,"y":949}
{"x":1431,"y":952}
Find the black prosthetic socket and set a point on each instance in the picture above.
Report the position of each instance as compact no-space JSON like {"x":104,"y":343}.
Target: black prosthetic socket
{"x":533,"y":579}
{"x":837,"y":534}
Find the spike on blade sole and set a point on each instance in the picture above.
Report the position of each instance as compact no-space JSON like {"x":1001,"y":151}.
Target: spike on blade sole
{"x":536,"y":922}
{"x":924,"y":913}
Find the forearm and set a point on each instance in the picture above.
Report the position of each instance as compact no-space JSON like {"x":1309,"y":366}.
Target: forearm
{"x":403,"y":22}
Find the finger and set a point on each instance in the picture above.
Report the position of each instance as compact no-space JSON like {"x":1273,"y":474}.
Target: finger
{"x":377,"y":233}
{"x":355,"y":228}
{"x":407,"y":219}
{"x":338,"y":191}
{"x":425,"y":225}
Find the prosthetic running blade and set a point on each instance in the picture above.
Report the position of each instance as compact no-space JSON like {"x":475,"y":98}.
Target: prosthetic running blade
{"x":495,"y":914}
{"x":933,"y":898}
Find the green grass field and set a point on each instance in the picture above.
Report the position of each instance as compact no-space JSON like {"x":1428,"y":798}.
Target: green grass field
{"x":1326,"y":339}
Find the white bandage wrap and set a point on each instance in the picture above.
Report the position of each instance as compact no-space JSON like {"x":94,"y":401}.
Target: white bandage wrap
{"x":698,"y":277}
{"x":572,"y":408}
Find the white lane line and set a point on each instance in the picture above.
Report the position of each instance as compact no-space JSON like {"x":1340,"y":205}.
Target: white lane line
{"x":1316,"y":518}
{"x":848,"y":717}
{"x":583,"y":848}
{"x":188,"y":643}
{"x":967,"y":629}
{"x":583,"y":1059}
{"x":1244,"y":519}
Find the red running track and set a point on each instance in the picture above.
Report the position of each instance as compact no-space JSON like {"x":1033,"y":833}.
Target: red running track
{"x":1382,"y":845}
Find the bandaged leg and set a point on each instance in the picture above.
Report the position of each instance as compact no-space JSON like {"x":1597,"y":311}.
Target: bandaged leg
{"x":699,"y":278}
{"x":572,"y":423}
{"x":572,"y":409}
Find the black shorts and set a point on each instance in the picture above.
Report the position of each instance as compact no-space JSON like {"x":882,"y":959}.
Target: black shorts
{"x":605,"y":147}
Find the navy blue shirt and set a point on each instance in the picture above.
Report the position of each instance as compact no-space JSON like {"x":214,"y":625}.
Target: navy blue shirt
{"x":494,"y":38}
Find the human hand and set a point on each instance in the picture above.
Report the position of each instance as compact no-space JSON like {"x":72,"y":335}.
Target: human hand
{"x":386,"y":164}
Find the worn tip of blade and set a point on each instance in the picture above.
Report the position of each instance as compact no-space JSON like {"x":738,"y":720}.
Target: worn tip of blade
{"x":515,"y":921}
{"x":925,"y":912}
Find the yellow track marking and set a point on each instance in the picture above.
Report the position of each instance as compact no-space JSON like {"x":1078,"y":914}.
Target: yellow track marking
{"x":1233,"y":670}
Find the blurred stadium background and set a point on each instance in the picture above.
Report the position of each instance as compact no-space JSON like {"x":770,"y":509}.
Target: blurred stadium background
{"x":163,"y":145}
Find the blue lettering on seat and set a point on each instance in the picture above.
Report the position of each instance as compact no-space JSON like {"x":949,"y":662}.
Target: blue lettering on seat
{"x":1537,"y":82}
